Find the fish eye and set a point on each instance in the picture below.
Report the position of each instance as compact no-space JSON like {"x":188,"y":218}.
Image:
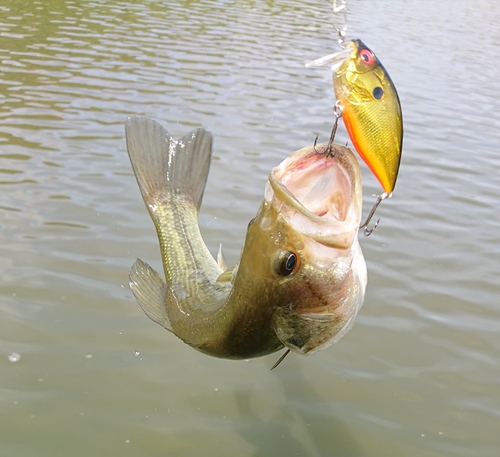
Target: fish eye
{"x":288,"y":263}
{"x":378,"y":93}
{"x":367,"y":56}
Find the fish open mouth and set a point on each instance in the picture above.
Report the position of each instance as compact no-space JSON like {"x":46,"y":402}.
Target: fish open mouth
{"x":319,"y":195}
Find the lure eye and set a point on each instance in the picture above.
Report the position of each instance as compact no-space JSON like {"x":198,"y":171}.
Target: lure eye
{"x":367,"y":56}
{"x":288,"y":263}
{"x":378,"y":93}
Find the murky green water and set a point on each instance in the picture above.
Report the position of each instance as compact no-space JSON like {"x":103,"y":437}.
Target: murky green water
{"x":419,"y":375}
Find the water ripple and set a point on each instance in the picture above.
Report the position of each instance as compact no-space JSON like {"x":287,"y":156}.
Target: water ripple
{"x":418,"y":371}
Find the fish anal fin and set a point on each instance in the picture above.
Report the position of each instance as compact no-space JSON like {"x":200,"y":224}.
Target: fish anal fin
{"x":150,"y":291}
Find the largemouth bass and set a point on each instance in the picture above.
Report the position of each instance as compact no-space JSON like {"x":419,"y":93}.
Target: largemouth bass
{"x":370,"y":108}
{"x":301,"y":277}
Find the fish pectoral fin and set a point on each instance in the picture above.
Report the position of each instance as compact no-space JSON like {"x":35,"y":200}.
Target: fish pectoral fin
{"x":220,"y":259}
{"x":306,"y":333}
{"x":149,"y":290}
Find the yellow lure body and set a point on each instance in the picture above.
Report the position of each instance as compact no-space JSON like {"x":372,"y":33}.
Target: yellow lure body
{"x":371,"y":112}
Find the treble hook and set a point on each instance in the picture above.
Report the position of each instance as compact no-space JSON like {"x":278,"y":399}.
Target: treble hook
{"x":380,"y":199}
{"x":337,"y":111}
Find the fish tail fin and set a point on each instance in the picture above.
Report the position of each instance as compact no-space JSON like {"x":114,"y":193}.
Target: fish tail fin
{"x":163,"y":165}
{"x":151,"y":292}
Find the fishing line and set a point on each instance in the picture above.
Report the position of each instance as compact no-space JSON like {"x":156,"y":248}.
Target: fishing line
{"x":340,"y":20}
{"x":340,"y":26}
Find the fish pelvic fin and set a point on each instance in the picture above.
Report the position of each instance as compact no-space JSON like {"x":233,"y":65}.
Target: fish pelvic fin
{"x":151,"y":292}
{"x":166,"y":166}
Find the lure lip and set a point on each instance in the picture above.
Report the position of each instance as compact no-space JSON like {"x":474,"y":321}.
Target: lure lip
{"x":331,"y":60}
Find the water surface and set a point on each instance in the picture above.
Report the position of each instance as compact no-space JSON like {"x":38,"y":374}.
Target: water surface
{"x":419,"y":374}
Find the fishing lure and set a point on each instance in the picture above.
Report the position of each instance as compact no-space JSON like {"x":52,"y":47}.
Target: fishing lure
{"x":369,"y":105}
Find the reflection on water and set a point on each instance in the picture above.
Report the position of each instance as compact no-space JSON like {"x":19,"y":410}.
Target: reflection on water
{"x":418,"y":374}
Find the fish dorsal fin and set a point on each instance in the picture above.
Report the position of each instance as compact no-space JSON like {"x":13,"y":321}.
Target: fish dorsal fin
{"x":151,"y":292}
{"x":226,"y":277}
{"x":220,"y":259}
{"x":164,"y":165}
